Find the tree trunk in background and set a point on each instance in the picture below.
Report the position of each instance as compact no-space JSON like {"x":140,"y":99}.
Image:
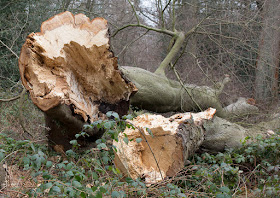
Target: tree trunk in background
{"x":267,"y":70}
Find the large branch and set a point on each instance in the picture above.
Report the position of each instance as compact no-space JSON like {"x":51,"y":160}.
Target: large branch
{"x":159,"y":94}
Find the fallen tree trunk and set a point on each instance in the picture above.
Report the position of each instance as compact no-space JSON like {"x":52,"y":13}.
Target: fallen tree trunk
{"x":222,"y":134}
{"x":160,"y":94}
{"x":159,"y":147}
{"x":152,"y":95}
{"x":73,"y":77}
{"x":165,"y":150}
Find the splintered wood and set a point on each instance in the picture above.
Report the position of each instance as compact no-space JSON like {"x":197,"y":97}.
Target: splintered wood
{"x":163,"y":152}
{"x":69,"y":62}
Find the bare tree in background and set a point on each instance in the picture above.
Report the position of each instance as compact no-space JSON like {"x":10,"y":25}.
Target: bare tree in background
{"x":267,"y":70}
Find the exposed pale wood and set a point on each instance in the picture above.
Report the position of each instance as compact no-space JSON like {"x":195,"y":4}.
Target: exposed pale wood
{"x":70,"y":63}
{"x":172,"y":141}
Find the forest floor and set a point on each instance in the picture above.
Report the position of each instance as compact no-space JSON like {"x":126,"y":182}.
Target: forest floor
{"x":28,"y":168}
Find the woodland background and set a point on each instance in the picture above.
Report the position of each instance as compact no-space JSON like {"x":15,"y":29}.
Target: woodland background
{"x":239,"y":38}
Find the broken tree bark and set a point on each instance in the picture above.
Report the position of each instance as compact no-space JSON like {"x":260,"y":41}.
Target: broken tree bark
{"x":72,"y":75}
{"x":165,"y":146}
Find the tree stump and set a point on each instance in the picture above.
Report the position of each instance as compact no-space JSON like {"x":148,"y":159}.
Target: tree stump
{"x":72,"y":75}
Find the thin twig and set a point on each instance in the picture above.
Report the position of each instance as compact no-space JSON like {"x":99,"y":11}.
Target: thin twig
{"x":9,"y":49}
{"x":160,"y":10}
{"x":10,"y":99}
{"x":164,"y":31}
{"x":21,"y":102}
{"x":133,"y":8}
{"x":184,"y":87}
{"x":126,"y":46}
{"x":14,"y":191}
{"x":173,"y":15}
{"x":167,"y":5}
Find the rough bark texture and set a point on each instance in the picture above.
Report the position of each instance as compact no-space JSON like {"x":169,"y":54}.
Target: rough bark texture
{"x":267,"y":72}
{"x":163,"y":152}
{"x":242,"y":107}
{"x":221,"y":134}
{"x":72,"y":75}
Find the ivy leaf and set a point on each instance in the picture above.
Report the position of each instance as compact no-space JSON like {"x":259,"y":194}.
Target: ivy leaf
{"x":76,"y":184}
{"x":94,"y":188}
{"x":101,"y":146}
{"x":25,"y":160}
{"x":113,"y":114}
{"x":150,"y":132}
{"x":225,"y":189}
{"x":70,"y":173}
{"x":115,"y":194}
{"x":47,"y":185}
{"x":73,"y":142}
{"x":56,"y":189}
{"x":127,"y":117}
{"x":69,"y":166}
{"x":32,"y":146}
{"x":108,"y":124}
{"x":103,"y":190}
{"x":88,"y":126}
{"x":182,"y":195}
{"x":94,"y":176}
{"x":83,"y":195}
{"x":48,"y":164}
{"x":138,"y":140}
{"x":126,"y":140}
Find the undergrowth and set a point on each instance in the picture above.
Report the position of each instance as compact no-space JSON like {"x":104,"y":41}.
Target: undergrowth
{"x":250,"y":171}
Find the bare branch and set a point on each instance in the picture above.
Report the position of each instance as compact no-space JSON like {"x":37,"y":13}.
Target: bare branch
{"x":126,"y":46}
{"x":164,"y":31}
{"x":133,"y":8}
{"x":9,"y":49}
{"x":21,"y":113}
{"x":173,"y":15}
{"x":10,"y":99}
{"x":180,"y":38}
{"x":184,"y":87}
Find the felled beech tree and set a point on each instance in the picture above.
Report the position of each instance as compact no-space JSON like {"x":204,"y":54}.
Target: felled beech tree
{"x":73,"y":77}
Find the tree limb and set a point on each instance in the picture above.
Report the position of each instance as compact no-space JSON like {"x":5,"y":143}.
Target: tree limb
{"x":180,"y":38}
{"x":9,"y":49}
{"x":10,"y":99}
